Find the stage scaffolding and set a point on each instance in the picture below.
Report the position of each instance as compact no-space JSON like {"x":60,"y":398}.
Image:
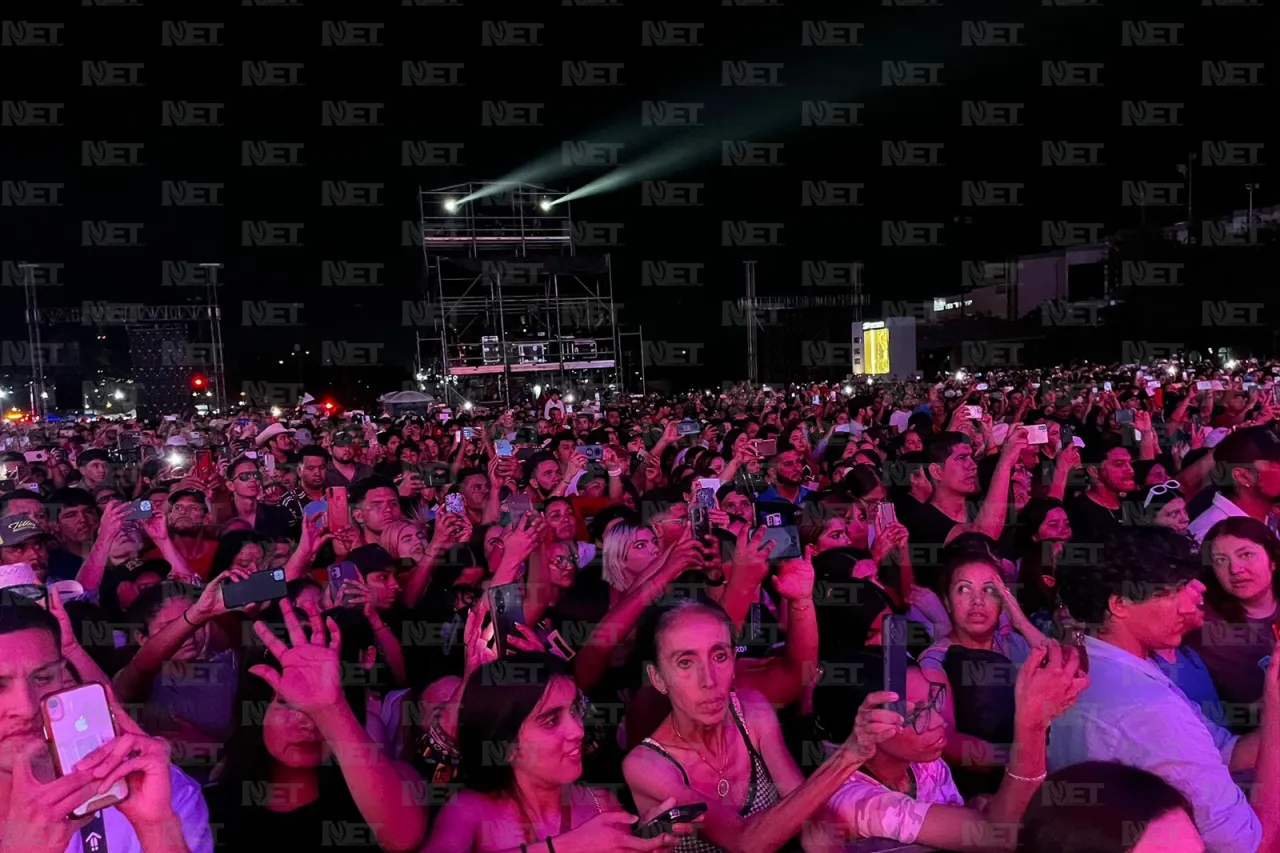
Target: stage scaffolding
{"x":513,"y":308}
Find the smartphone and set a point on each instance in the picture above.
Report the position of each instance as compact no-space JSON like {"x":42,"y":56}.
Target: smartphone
{"x":339,"y":512}
{"x":816,"y":400}
{"x":709,"y":483}
{"x":258,"y":587}
{"x":766,"y":446}
{"x":894,"y":640}
{"x":1068,"y":435}
{"x":1037,"y":433}
{"x":688,"y":427}
{"x":204,"y":464}
{"x":786,"y":541}
{"x":1124,"y":416}
{"x":76,"y":722}
{"x":339,"y":574}
{"x":1106,"y":386}
{"x":973,"y":413}
{"x":665,"y":822}
{"x":453,"y":503}
{"x":886,"y":516}
{"x":704,"y":500}
{"x":269,"y":463}
{"x":594,"y":452}
{"x":502,"y":447}
{"x":141,"y":510}
{"x":468,"y":433}
{"x":506,"y":606}
{"x":520,"y":506}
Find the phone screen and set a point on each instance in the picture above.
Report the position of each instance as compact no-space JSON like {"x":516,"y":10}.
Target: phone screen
{"x":78,"y":721}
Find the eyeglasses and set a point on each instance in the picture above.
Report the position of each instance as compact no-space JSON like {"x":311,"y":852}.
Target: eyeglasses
{"x":937,"y":699}
{"x":1163,"y":488}
{"x":249,"y":475}
{"x":564,"y":560}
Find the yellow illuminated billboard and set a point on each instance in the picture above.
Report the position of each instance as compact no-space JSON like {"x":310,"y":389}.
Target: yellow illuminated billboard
{"x":875,"y":345}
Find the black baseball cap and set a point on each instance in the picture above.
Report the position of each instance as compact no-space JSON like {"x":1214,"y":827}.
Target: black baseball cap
{"x":1248,"y":445}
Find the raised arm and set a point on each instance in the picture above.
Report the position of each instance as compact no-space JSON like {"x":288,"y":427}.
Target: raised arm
{"x":653,"y":778}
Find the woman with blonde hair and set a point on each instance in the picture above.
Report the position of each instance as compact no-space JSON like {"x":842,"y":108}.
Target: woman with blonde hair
{"x":630,"y":549}
{"x":404,"y":541}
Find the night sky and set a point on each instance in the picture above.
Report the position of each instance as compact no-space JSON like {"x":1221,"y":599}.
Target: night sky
{"x":193,"y":54}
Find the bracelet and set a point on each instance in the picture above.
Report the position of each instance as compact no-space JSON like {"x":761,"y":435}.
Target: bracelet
{"x":796,"y":608}
{"x":1015,"y":776}
{"x":188,"y":621}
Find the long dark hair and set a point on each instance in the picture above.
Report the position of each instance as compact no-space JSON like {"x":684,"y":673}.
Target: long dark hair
{"x":1242,"y":527}
{"x":496,"y":701}
{"x":1125,"y":799}
{"x":229,"y":545}
{"x":248,"y":760}
{"x":1037,"y":559}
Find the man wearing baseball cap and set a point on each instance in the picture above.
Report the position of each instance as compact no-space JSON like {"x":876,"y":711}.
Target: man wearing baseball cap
{"x":277,"y":440}
{"x":345,"y":467}
{"x":1247,"y":472}
{"x":23,"y":540}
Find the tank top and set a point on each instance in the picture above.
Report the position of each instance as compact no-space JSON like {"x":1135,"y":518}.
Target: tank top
{"x":762,"y":793}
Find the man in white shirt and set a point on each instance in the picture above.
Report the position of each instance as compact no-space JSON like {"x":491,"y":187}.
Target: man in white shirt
{"x":164,"y":811}
{"x":1247,"y":464}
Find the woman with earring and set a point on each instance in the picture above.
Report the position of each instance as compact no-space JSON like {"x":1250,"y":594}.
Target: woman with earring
{"x":724,"y":747}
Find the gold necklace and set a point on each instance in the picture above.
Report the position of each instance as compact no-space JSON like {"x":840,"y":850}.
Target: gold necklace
{"x":722,"y":786}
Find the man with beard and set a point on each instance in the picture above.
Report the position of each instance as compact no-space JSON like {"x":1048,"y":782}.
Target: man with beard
{"x":1249,"y":463}
{"x":22,"y":540}
{"x":787,"y":469}
{"x":164,"y":812}
{"x":62,"y":564}
{"x":1096,"y":513}
{"x":186,"y":516}
{"x":345,"y":468}
{"x":312,"y":475}
{"x":277,"y":440}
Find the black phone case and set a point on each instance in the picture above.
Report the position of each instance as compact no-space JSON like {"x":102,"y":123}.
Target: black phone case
{"x":259,"y":586}
{"x":894,"y":638}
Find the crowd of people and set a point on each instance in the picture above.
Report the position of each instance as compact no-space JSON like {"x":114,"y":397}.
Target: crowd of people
{"x":660,"y":623}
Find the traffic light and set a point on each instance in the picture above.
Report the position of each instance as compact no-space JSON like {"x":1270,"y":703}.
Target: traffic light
{"x":198,"y":382}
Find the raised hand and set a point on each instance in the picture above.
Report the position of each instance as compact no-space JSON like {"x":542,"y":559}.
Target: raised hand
{"x":873,"y":725}
{"x":1048,"y":684}
{"x":310,"y":678}
{"x":794,"y":580}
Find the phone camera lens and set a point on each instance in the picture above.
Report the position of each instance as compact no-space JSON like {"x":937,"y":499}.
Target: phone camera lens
{"x":53,"y":704}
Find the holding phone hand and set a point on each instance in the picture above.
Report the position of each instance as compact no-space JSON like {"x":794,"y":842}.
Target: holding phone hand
{"x":873,"y":725}
{"x":37,"y":820}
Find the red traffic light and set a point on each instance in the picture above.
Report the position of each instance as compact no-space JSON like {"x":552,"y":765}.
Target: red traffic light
{"x":197,"y":382}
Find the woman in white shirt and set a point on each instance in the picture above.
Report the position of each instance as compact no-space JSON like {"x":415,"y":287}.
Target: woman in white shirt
{"x":905,"y":790}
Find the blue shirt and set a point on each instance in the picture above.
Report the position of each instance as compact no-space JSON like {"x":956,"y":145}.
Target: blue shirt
{"x":1190,"y":674}
{"x":770,"y":495}
{"x":1132,"y":713}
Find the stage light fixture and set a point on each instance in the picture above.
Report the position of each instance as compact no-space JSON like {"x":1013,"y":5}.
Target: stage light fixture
{"x":545,"y":204}
{"x":451,"y":206}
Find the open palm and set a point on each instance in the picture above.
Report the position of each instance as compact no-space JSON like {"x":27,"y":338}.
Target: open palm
{"x":310,"y":678}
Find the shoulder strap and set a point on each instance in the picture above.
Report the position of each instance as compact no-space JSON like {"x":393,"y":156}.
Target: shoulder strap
{"x":93,"y":835}
{"x":740,"y":720}
{"x":657,"y":747}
